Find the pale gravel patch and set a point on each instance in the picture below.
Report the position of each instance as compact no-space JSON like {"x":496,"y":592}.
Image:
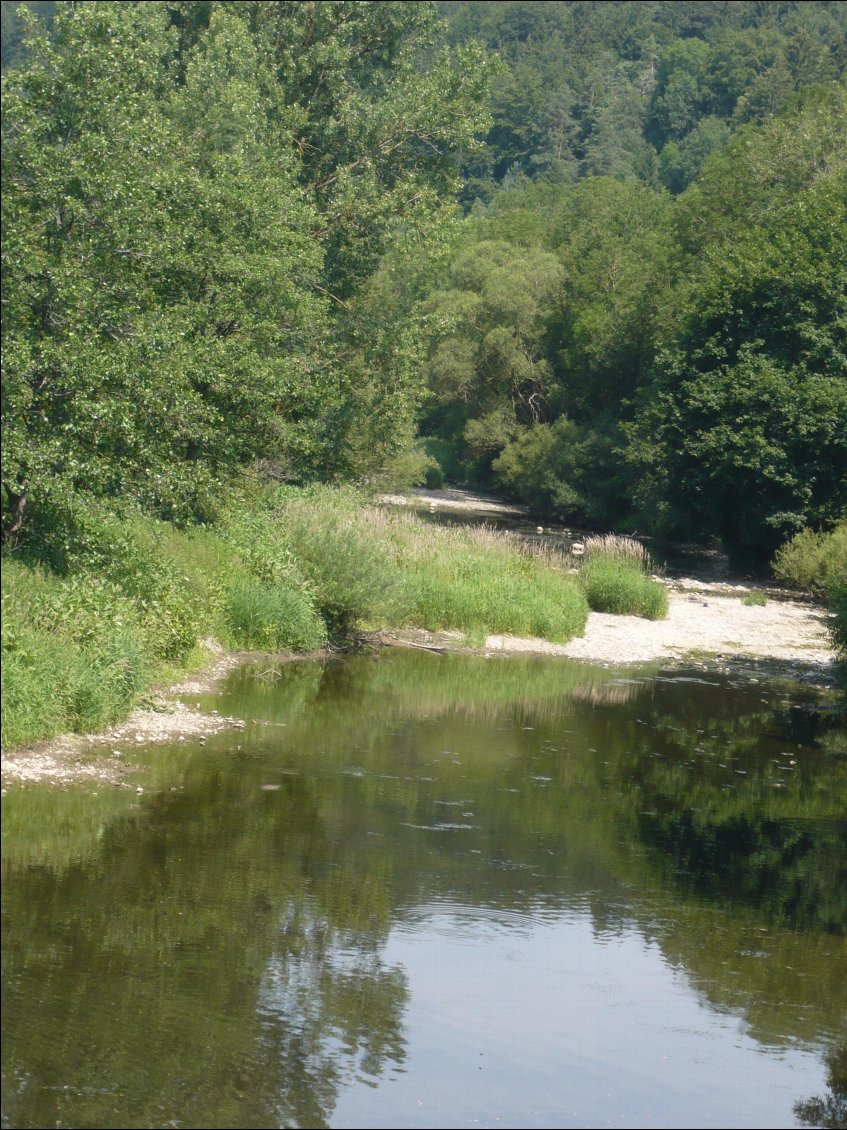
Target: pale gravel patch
{"x":782,"y":630}
{"x":454,"y":501}
{"x":697,"y":625}
{"x":106,"y":757}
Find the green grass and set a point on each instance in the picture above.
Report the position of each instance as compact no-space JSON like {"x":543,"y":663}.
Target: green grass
{"x":78,"y":671}
{"x":477,"y":581}
{"x":755,"y":599}
{"x":267,"y":617}
{"x":615,"y":577}
{"x":106,"y":604}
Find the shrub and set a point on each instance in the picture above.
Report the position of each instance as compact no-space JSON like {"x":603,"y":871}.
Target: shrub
{"x":838,"y":627}
{"x":73,"y":658}
{"x":564,"y":469}
{"x":322,"y":533}
{"x":813,"y":561}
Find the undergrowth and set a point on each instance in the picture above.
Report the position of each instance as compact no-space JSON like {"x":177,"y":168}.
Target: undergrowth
{"x":99,"y":604}
{"x":813,"y":561}
{"x":816,"y":562}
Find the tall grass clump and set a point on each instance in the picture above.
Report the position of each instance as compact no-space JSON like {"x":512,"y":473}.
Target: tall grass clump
{"x":317,"y":541}
{"x":476,"y":581}
{"x":270,"y":617}
{"x":615,"y":577}
{"x":754,"y":599}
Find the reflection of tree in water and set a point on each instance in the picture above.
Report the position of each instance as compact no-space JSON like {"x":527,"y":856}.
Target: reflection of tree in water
{"x":236,"y":925}
{"x":830,"y":1110}
{"x":240,"y":992}
{"x":792,"y":873}
{"x":330,"y":1012}
{"x":731,"y":818}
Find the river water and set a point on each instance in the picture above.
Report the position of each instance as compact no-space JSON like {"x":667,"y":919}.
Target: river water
{"x":421,"y":890}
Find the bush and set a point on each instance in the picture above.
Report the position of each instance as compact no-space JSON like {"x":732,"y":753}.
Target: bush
{"x":73,"y":657}
{"x":100,"y":551}
{"x":615,"y":577}
{"x":564,"y":469}
{"x":813,"y":561}
{"x":837,"y":602}
{"x":320,"y":534}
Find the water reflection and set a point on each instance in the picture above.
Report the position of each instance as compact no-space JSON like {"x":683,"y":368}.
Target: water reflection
{"x":829,"y":1110}
{"x":408,"y":859}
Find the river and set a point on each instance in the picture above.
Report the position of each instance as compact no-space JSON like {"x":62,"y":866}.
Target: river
{"x":422,"y":890}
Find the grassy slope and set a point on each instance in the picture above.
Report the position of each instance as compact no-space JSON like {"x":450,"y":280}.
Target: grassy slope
{"x":115,"y":603}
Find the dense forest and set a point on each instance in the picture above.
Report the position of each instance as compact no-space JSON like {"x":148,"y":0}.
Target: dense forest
{"x":592,"y":253}
{"x":587,"y":255}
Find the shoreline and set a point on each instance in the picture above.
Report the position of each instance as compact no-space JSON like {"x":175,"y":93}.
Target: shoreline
{"x":705,"y":624}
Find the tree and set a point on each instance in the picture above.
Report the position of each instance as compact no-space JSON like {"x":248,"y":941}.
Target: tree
{"x":157,"y":255}
{"x":744,"y":434}
{"x":195,"y":196}
{"x":487,"y":368}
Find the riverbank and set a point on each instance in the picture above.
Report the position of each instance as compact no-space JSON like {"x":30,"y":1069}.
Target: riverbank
{"x":706,"y":624}
{"x":344,"y":564}
{"x":709,"y":625}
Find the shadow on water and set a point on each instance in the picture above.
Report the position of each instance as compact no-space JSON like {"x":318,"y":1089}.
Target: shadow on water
{"x":406,"y":859}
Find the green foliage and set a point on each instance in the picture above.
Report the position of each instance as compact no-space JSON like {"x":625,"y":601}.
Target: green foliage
{"x":816,"y":561}
{"x":152,"y":253}
{"x":813,"y":560}
{"x":487,"y":369}
{"x":270,"y":617}
{"x":615,"y":577}
{"x":837,"y":601}
{"x":13,"y":51}
{"x":603,"y":89}
{"x":680,"y":163}
{"x":752,"y":391}
{"x":562,"y":469}
{"x":476,"y":581}
{"x":74,"y":654}
{"x":754,"y":599}
{"x":194,"y":196}
{"x":343,"y":569}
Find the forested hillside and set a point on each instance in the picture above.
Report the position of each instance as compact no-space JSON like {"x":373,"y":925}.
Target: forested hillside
{"x":640,"y":90}
{"x":643,"y":317}
{"x":294,"y":235}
